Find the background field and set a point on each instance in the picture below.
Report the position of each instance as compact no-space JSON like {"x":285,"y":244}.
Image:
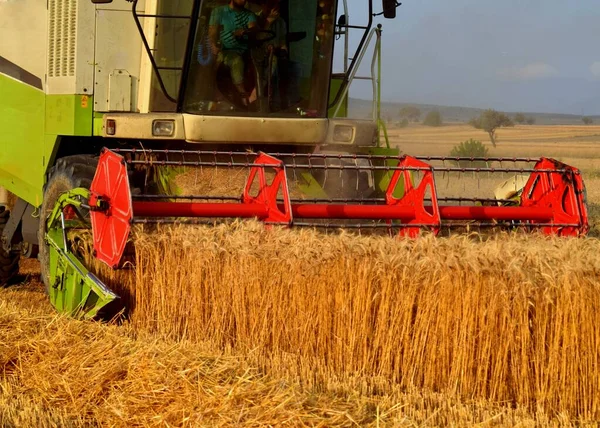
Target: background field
{"x":575,"y":145}
{"x":236,"y":366}
{"x":579,"y":145}
{"x":454,"y":114}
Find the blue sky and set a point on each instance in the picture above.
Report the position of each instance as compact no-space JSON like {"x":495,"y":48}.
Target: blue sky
{"x":514,"y":55}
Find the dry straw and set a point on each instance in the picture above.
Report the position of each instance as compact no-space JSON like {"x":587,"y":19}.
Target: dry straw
{"x":511,"y":319}
{"x":59,"y":372}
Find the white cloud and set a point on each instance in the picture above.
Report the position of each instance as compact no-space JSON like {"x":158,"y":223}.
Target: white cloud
{"x":536,"y":70}
{"x":595,"y":69}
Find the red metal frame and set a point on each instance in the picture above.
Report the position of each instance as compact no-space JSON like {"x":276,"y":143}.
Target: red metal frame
{"x":480,"y":213}
{"x":204,"y":210}
{"x":266,"y":196}
{"x":554,"y":195}
{"x":414,"y":197}
{"x":111,"y":208}
{"x":410,"y":209}
{"x":562,"y":194}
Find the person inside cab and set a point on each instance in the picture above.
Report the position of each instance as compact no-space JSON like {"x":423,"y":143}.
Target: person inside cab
{"x":276,"y":50}
{"x":228,"y":29}
{"x":271,"y":20}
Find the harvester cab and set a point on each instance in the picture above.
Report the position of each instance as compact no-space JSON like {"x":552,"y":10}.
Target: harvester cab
{"x":250,"y":73}
{"x":197,"y":111}
{"x":246,"y":75}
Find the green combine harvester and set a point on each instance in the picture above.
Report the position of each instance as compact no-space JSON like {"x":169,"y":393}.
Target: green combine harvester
{"x":104,"y":103}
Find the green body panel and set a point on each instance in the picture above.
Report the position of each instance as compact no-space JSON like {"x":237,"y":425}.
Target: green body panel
{"x":333,"y":90}
{"x":69,"y":115}
{"x":31,"y":124}
{"x":309,"y":186}
{"x":66,"y":115}
{"x":21,"y":139}
{"x":382,"y":177}
{"x":98,"y":124}
{"x":73,"y":289}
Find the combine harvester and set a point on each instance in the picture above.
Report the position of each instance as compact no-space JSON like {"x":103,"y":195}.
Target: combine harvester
{"x":105,"y":103}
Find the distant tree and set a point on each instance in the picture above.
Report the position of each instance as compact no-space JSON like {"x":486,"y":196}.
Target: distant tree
{"x":403,"y":123}
{"x":433,"y":118}
{"x":530,"y":120}
{"x":411,"y":113}
{"x":490,"y":120}
{"x":587,"y":120}
{"x":475,"y":122}
{"x":470,"y":149}
{"x":520,"y":118}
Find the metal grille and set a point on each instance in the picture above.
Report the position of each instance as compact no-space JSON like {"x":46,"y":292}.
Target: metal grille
{"x":62,"y":31}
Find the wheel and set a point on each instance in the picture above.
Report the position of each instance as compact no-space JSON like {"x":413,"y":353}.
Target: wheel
{"x":69,"y":173}
{"x":9,"y":262}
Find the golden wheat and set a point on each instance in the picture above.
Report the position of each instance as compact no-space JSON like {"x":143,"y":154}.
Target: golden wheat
{"x":59,"y":372}
{"x":510,"y":319}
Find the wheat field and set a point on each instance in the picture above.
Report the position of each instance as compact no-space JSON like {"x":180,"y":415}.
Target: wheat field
{"x":58,"y":372}
{"x":241,"y":325}
{"x":576,"y":145}
{"x":478,"y":319}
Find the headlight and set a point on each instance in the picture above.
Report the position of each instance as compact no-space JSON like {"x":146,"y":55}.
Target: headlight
{"x":343,"y":133}
{"x":163,"y":128}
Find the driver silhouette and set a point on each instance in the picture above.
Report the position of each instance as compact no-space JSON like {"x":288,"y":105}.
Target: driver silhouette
{"x":228,"y":29}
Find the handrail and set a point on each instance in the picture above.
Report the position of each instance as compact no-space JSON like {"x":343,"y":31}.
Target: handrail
{"x":375,"y":78}
{"x":345,"y":83}
{"x":187,"y":60}
{"x":346,"y":36}
{"x":357,"y":61}
{"x":149,"y":52}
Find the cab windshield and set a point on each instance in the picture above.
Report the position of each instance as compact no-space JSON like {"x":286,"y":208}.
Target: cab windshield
{"x":262,"y":58}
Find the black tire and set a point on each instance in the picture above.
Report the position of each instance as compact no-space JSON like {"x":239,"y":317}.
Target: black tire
{"x":9,"y":262}
{"x":68,"y":173}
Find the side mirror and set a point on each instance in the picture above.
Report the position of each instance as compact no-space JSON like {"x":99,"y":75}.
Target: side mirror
{"x":101,"y":1}
{"x":389,"y":8}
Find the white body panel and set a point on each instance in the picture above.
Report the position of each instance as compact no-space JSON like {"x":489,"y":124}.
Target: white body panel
{"x":23,"y":30}
{"x":120,"y":87}
{"x":70,"y":47}
{"x":146,"y":71}
{"x":118,"y":52}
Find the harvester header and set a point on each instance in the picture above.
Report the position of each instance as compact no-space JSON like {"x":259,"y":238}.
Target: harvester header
{"x":551,"y":201}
